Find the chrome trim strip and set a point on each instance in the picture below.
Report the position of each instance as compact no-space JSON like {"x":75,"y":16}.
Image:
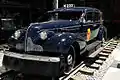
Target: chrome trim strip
{"x":32,"y":57}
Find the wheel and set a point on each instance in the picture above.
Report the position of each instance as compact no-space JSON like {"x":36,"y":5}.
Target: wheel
{"x":70,"y":60}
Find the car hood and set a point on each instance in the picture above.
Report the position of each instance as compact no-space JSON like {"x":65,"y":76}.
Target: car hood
{"x":54,"y":24}
{"x":34,"y":29}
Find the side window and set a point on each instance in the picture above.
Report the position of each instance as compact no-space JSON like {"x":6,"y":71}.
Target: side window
{"x":96,"y":17}
{"x":89,"y":17}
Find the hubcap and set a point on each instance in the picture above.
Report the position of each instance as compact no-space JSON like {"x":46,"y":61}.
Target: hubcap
{"x":69,"y":59}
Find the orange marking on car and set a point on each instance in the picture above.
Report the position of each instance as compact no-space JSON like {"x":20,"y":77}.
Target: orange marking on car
{"x":88,"y":34}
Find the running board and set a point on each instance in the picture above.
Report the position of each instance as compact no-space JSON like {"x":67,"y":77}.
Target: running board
{"x":93,"y":46}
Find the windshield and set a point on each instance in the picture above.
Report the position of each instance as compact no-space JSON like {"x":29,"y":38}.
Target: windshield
{"x":66,"y":15}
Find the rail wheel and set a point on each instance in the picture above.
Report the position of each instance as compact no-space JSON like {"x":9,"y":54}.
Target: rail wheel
{"x":70,"y":60}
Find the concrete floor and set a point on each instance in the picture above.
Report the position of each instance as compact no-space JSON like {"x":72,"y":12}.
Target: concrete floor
{"x":113,"y":73}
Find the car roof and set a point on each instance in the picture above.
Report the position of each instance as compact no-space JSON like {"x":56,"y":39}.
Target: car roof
{"x":74,"y":9}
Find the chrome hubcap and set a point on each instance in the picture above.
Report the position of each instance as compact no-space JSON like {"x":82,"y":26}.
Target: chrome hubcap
{"x":69,"y":59}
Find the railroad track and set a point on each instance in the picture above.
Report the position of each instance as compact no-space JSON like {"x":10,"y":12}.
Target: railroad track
{"x":88,"y":67}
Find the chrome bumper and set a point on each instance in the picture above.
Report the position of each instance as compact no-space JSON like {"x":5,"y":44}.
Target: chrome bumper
{"x":32,"y":64}
{"x":32,"y":57}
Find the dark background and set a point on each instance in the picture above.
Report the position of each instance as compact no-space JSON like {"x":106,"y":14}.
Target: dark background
{"x":27,"y":11}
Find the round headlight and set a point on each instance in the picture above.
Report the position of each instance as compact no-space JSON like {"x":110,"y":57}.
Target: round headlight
{"x":17,"y":34}
{"x":43,"y":35}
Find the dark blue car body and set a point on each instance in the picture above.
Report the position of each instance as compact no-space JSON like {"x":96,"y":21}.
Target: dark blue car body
{"x":48,"y":44}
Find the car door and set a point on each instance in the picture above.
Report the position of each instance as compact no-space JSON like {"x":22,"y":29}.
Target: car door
{"x":86,"y":26}
{"x":89,"y":24}
{"x":96,"y":24}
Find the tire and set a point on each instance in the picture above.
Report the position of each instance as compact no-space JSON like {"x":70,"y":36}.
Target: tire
{"x":70,"y":60}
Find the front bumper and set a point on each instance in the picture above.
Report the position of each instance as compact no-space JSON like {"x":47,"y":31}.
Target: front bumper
{"x":32,"y":64}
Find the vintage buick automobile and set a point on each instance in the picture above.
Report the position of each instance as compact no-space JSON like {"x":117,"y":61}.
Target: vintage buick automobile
{"x":51,"y":48}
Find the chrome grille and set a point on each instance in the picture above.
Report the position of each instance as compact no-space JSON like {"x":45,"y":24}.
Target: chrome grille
{"x":31,"y":46}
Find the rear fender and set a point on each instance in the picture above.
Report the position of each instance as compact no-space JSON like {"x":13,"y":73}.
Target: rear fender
{"x":102,"y":31}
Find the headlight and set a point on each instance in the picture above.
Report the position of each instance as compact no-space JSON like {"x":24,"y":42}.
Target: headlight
{"x":43,"y":35}
{"x":17,"y":34}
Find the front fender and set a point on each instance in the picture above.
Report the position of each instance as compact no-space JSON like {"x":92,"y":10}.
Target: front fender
{"x":59,"y":43}
{"x":65,"y":41}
